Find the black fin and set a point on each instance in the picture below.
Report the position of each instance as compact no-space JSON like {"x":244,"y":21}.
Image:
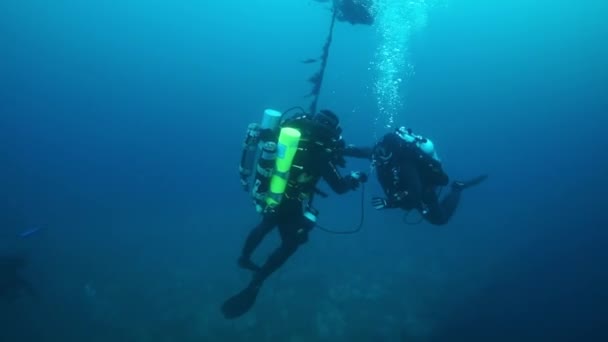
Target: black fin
{"x":461,"y":185}
{"x":240,"y":303}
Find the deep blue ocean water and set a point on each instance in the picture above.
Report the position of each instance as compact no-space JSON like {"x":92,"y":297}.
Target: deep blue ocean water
{"x":121,"y":124}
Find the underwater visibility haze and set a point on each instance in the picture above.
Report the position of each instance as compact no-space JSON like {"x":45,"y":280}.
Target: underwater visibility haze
{"x":122,"y":125}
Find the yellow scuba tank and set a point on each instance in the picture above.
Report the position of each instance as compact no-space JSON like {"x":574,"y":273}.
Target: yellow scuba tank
{"x":272,"y":152}
{"x":287,"y":147}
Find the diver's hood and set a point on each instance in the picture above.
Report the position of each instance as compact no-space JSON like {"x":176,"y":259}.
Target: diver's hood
{"x":314,"y":130}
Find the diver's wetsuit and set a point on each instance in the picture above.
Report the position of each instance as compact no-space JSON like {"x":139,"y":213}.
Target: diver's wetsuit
{"x":354,"y":11}
{"x":320,"y":151}
{"x":410,"y":179}
{"x":317,"y":158}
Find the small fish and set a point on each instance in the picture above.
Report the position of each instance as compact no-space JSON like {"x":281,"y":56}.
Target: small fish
{"x":29,"y":232}
{"x":309,"y":61}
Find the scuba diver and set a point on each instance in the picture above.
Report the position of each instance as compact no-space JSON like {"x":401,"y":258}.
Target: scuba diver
{"x":316,"y":149}
{"x":12,"y":284}
{"x":353,"y":11}
{"x":410,"y":172}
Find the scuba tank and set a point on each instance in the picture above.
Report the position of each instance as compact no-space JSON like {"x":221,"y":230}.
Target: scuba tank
{"x":271,"y":152}
{"x":286,"y":151}
{"x":257,"y":135}
{"x":424,"y":144}
{"x":271,"y":119}
{"x":250,"y":148}
{"x":427,"y":156}
{"x":264,"y":172}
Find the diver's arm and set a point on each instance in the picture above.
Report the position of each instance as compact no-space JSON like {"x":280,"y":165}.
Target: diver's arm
{"x":392,"y":188}
{"x":357,"y":152}
{"x":337,"y":182}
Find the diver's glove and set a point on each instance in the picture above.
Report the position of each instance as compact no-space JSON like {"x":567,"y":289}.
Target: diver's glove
{"x":356,"y":178}
{"x":379,"y":203}
{"x":394,"y":201}
{"x":361,"y":177}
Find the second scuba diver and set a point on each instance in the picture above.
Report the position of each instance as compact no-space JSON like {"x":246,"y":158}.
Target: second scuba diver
{"x":410,"y":172}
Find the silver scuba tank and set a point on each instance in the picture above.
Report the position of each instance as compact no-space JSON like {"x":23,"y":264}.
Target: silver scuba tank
{"x":254,"y":142}
{"x":263,"y":174}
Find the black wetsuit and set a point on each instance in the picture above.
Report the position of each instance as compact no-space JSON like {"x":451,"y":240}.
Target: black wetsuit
{"x":354,"y":11}
{"x":410,"y":179}
{"x":321,"y":151}
{"x":318,"y":157}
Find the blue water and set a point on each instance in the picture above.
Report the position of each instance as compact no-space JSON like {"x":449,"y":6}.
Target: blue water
{"x":121,"y":124}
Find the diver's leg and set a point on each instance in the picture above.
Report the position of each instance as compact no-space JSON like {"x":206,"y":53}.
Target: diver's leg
{"x":243,"y":301}
{"x":289,"y":222}
{"x":439,"y":213}
{"x":274,"y":262}
{"x":254,"y":239}
{"x":293,"y":229}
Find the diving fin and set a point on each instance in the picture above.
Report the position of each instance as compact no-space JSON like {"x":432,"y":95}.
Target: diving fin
{"x":240,"y":303}
{"x":461,"y":185}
